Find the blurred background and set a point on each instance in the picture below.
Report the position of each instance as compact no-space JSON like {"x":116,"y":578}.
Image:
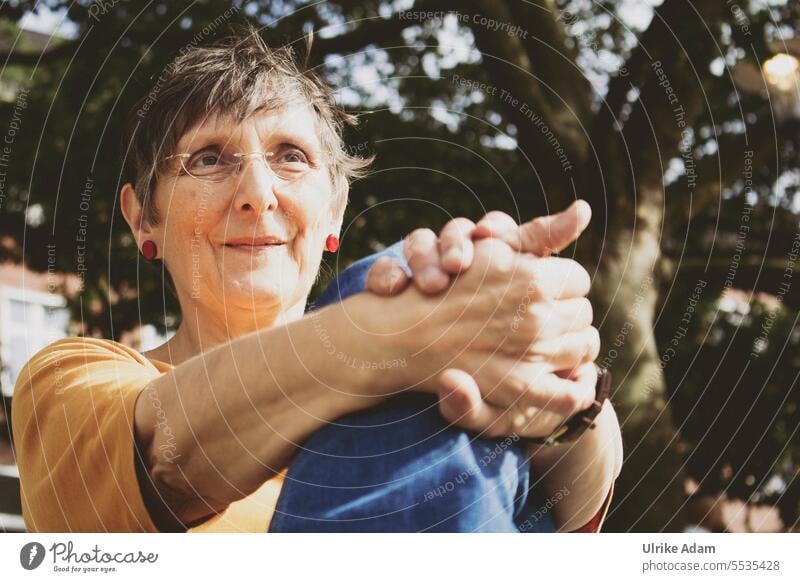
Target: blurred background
{"x":678,"y":121}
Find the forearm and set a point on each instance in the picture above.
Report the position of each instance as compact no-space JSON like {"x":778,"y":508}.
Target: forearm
{"x":585,"y":469}
{"x":219,"y":425}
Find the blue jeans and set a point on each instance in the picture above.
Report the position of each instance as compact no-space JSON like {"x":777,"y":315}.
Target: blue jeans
{"x":399,"y":467}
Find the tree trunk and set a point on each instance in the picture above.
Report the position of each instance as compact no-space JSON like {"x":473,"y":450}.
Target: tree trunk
{"x":648,"y":493}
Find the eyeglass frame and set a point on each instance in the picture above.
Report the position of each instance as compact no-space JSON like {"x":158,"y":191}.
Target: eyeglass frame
{"x":264,"y":155}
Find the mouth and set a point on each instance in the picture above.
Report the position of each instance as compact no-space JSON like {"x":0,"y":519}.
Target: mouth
{"x":254,"y":244}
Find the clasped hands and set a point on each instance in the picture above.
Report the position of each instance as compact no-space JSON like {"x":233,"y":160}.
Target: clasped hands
{"x":505,"y":328}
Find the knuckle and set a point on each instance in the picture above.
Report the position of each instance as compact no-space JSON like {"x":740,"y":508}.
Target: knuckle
{"x":588,"y":310}
{"x":530,"y":238}
{"x":460,"y":227}
{"x":375,"y":276}
{"x":568,"y":403}
{"x":495,"y":252}
{"x":497,"y":215}
{"x":593,"y":343}
{"x":538,"y":231}
{"x":588,"y":385}
{"x":538,"y":316}
{"x":424,"y":235}
{"x":382,"y":264}
{"x":584,"y":280}
{"x":418,"y":243}
{"x":530,"y":277}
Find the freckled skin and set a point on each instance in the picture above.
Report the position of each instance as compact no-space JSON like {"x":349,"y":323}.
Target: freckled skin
{"x":198,"y":218}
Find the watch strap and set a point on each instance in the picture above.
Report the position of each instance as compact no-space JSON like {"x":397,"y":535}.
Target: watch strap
{"x":579,"y":422}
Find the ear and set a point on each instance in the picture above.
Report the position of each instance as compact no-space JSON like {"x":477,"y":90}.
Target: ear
{"x":134,"y":215}
{"x":335,"y":224}
{"x":337,"y":209}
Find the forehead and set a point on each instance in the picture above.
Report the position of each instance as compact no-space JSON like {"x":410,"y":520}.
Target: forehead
{"x":293,"y":121}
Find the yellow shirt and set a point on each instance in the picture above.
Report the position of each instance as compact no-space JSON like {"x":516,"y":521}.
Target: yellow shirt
{"x":73,"y":430}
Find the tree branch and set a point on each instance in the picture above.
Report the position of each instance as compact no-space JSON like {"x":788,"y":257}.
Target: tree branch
{"x":672,"y":40}
{"x":671,"y":94}
{"x":509,"y":66}
{"x":654,"y":44}
{"x":555,"y":61}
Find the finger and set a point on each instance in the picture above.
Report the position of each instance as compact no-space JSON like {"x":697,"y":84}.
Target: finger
{"x":551,"y":319}
{"x":386,"y":277}
{"x":499,"y":225}
{"x":535,"y":422}
{"x":455,"y":245}
{"x":460,"y":402}
{"x":548,"y":234}
{"x":569,"y":351}
{"x":534,"y":384}
{"x":564,"y":396}
{"x":421,"y":248}
{"x":557,"y":278}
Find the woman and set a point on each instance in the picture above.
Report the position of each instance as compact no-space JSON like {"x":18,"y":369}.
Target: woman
{"x":238,"y":180}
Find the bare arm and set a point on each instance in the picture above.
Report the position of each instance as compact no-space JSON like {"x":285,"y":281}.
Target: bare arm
{"x":219,"y":425}
{"x":585,"y":469}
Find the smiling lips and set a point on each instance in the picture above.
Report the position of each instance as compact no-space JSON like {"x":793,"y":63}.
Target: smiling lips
{"x":251,"y":244}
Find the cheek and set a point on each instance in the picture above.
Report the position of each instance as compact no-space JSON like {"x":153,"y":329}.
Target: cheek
{"x":186,"y":229}
{"x":310,"y":221}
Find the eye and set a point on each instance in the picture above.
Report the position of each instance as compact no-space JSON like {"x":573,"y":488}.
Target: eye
{"x":205,"y":159}
{"x":290,"y":155}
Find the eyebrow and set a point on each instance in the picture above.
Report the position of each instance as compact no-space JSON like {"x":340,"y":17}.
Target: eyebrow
{"x":206,"y":137}
{"x":283,"y":136}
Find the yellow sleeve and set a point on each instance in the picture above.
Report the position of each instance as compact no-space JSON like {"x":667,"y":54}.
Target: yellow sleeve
{"x":73,"y":430}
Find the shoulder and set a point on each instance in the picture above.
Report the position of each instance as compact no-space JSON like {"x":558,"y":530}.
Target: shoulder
{"x":73,"y":422}
{"x":82,"y":351}
{"x":77,"y":368}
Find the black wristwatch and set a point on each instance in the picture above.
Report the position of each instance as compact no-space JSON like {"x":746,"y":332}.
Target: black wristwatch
{"x":576,"y":424}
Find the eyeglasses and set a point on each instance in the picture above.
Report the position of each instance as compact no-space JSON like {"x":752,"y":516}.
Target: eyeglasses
{"x":287,"y":165}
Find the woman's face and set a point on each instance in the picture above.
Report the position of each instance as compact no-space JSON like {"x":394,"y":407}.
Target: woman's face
{"x":252,"y":241}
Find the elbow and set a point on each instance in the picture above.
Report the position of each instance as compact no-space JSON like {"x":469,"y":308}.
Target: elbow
{"x":164,"y":486}
{"x":169,"y":493}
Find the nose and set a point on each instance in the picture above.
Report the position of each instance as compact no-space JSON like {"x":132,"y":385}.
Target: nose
{"x":255,"y":185}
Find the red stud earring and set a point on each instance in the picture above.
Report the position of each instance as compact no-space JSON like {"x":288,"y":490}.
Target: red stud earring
{"x":332,"y":243}
{"x":149,"y":250}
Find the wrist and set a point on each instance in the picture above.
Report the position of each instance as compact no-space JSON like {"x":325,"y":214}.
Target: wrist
{"x":600,"y":446}
{"x":376,"y":348}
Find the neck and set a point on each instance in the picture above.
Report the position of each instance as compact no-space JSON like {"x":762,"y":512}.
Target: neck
{"x":202,"y":329}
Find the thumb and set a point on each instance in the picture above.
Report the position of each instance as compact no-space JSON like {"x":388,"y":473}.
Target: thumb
{"x":550,"y":234}
{"x":461,"y":403}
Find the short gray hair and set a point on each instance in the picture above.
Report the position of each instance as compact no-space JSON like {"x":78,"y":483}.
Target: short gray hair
{"x":235,"y":77}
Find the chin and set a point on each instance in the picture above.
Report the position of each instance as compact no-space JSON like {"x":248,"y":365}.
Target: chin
{"x":263,"y":290}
